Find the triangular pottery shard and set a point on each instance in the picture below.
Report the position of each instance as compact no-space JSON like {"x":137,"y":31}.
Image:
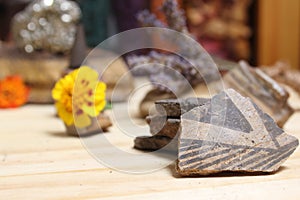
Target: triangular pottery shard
{"x":230,"y":133}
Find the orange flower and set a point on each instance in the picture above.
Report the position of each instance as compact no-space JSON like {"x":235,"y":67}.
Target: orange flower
{"x":13,"y":92}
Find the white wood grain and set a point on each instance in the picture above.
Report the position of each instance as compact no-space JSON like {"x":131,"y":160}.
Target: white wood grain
{"x":37,"y":161}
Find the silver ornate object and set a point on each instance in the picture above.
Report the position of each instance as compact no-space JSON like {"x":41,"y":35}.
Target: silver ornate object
{"x":48,"y":25}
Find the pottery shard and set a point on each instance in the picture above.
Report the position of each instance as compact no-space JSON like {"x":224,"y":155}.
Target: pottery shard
{"x":152,"y":96}
{"x":156,"y":142}
{"x":231,"y":133}
{"x":263,"y":90}
{"x":160,"y":125}
{"x":176,"y":107}
{"x":99,"y":124}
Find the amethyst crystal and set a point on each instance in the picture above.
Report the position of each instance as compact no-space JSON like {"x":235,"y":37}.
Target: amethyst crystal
{"x":175,"y":16}
{"x":148,"y":19}
{"x":171,"y":72}
{"x":166,"y":71}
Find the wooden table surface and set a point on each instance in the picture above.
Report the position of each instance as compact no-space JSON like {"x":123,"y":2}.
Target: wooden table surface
{"x":38,"y":161}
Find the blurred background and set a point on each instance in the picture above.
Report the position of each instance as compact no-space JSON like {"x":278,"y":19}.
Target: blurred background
{"x":259,"y":31}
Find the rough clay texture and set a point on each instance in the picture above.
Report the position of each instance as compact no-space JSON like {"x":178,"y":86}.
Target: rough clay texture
{"x":160,"y":125}
{"x":230,"y":133}
{"x":176,"y":107}
{"x":154,"y":143}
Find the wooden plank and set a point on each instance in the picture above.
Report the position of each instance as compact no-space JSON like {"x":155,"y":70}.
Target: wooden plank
{"x":279,"y":32}
{"x":38,"y":162}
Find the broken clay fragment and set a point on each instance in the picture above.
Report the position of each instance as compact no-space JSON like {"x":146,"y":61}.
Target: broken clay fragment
{"x":231,"y":133}
{"x":263,"y":90}
{"x":161,"y":125}
{"x":153,"y":143}
{"x":99,"y":124}
{"x":176,"y":107}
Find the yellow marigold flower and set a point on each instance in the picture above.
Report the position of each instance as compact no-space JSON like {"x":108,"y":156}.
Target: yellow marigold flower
{"x":79,"y":96}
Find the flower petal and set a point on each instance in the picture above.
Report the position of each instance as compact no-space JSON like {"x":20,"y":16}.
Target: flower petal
{"x":66,"y":116}
{"x":86,"y":73}
{"x":82,"y":120}
{"x":90,"y":110}
{"x":100,"y":105}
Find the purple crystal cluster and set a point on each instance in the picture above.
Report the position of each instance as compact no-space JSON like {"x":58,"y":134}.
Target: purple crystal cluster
{"x":173,"y":72}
